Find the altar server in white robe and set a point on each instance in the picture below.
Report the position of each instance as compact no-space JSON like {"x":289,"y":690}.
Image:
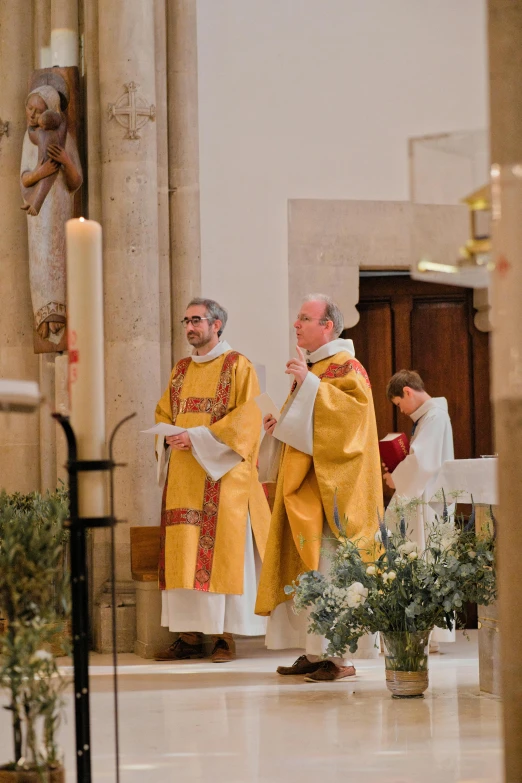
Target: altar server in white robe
{"x":431,"y":445}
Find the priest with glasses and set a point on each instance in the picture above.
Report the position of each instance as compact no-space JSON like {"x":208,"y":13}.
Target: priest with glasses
{"x":215,"y":516}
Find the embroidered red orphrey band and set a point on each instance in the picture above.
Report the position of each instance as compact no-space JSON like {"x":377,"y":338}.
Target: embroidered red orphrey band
{"x":340,"y":370}
{"x":206,"y":518}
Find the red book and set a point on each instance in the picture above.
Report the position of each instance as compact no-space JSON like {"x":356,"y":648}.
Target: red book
{"x":393,"y":449}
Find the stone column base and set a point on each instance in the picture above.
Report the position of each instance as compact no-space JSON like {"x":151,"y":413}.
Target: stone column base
{"x":489,"y":649}
{"x":125,"y":619}
{"x":151,"y":637}
{"x":488,"y":627}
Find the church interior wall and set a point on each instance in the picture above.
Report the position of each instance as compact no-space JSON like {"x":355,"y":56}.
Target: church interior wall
{"x":447,"y":166}
{"x":273,"y":128}
{"x":331,"y":241}
{"x":281,"y":159}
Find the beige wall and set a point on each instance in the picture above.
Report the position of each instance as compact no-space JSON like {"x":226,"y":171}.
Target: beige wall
{"x":448,"y":166}
{"x":330,"y":241}
{"x":315,"y":100}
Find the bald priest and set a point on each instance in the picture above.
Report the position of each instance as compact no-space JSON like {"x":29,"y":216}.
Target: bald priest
{"x":324,"y":445}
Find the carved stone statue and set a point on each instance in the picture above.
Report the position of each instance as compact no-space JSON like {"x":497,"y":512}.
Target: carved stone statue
{"x":51,"y":174}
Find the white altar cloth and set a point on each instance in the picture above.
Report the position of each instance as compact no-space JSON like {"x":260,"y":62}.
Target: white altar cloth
{"x":477,"y":477}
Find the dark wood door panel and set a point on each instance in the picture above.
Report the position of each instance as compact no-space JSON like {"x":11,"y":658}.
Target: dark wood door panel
{"x":372,"y":339}
{"x":432,"y":331}
{"x":442,"y":354}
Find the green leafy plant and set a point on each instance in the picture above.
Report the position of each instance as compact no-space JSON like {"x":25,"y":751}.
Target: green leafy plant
{"x":34,"y":599}
{"x":391,"y":587}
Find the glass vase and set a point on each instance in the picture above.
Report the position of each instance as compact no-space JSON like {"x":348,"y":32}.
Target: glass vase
{"x":406,"y":663}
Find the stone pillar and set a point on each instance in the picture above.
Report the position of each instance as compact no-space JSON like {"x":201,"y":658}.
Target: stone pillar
{"x":160,"y":22}
{"x":47,"y":424}
{"x":91,"y":60}
{"x":42,"y":34}
{"x":505,"y":63}
{"x":488,"y":627}
{"x":151,"y":637}
{"x":64,"y":33}
{"x":185,"y":240}
{"x":19,"y":434}
{"x":98,"y":540}
{"x":61,"y":405}
{"x":129,"y":195}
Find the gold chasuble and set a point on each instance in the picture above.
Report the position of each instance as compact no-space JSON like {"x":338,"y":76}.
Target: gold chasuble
{"x":345,"y":462}
{"x":204,"y":522}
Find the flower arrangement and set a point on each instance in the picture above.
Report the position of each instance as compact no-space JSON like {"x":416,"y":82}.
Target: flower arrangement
{"x":34,"y":597}
{"x":394,"y":588}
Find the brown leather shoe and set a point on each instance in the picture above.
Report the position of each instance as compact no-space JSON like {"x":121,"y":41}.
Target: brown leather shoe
{"x":181,"y":651}
{"x":301,"y":666}
{"x":222,"y":652}
{"x":328,"y":671}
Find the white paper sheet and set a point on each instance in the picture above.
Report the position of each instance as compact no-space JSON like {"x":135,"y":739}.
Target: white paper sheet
{"x":267,"y":406}
{"x":163,"y":457}
{"x":164,"y":429}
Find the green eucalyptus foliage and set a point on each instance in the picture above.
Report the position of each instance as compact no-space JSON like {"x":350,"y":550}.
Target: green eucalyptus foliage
{"x":392,"y":587}
{"x":34,"y":599}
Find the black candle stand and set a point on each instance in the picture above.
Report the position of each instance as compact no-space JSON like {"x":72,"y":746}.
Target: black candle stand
{"x":79,"y":592}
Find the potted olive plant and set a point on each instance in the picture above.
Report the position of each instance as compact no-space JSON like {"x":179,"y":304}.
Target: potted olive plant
{"x":393,"y":587}
{"x":34,"y":598}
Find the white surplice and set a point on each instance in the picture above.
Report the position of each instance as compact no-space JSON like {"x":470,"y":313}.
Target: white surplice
{"x":416,"y":476}
{"x":285,"y":629}
{"x":430,"y":447}
{"x":216,"y":613}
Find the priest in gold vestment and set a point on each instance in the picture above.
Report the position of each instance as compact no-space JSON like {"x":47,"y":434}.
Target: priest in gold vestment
{"x":323,"y":447}
{"x":215,"y":515}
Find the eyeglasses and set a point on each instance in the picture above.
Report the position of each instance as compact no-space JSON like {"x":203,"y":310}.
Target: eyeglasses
{"x":305,"y":319}
{"x":195,"y":320}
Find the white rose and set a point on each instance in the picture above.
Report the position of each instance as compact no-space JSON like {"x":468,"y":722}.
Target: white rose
{"x":371,"y":570}
{"x":356,"y":595}
{"x":412,"y":556}
{"x":385,"y":578}
{"x":472,"y":555}
{"x":391,"y":576}
{"x":407,"y":548}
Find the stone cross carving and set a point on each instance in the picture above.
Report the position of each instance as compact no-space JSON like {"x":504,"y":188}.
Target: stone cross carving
{"x":4,"y":128}
{"x":131,"y":111}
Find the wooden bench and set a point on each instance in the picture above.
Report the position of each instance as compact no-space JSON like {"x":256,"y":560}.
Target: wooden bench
{"x":145,"y":547}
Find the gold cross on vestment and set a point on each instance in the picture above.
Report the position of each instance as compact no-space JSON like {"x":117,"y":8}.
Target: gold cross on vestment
{"x":131,"y":111}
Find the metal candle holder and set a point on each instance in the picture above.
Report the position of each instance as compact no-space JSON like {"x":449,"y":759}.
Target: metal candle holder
{"x":79,"y":592}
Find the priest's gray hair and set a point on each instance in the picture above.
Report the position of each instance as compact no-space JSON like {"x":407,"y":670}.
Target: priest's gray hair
{"x":331,"y":311}
{"x":214,"y":311}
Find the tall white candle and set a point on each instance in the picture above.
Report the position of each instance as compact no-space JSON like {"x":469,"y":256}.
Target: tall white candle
{"x":86,"y":365}
{"x":64,"y":47}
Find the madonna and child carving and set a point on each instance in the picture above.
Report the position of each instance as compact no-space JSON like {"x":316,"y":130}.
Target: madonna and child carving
{"x":131,"y":111}
{"x":4,"y":128}
{"x":50,"y":175}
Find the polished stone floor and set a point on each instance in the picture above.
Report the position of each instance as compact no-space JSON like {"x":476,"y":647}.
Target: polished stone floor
{"x":241,"y":722}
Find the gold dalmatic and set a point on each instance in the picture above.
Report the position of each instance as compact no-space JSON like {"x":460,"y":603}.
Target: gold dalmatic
{"x":344,"y":468}
{"x":204,"y":522}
